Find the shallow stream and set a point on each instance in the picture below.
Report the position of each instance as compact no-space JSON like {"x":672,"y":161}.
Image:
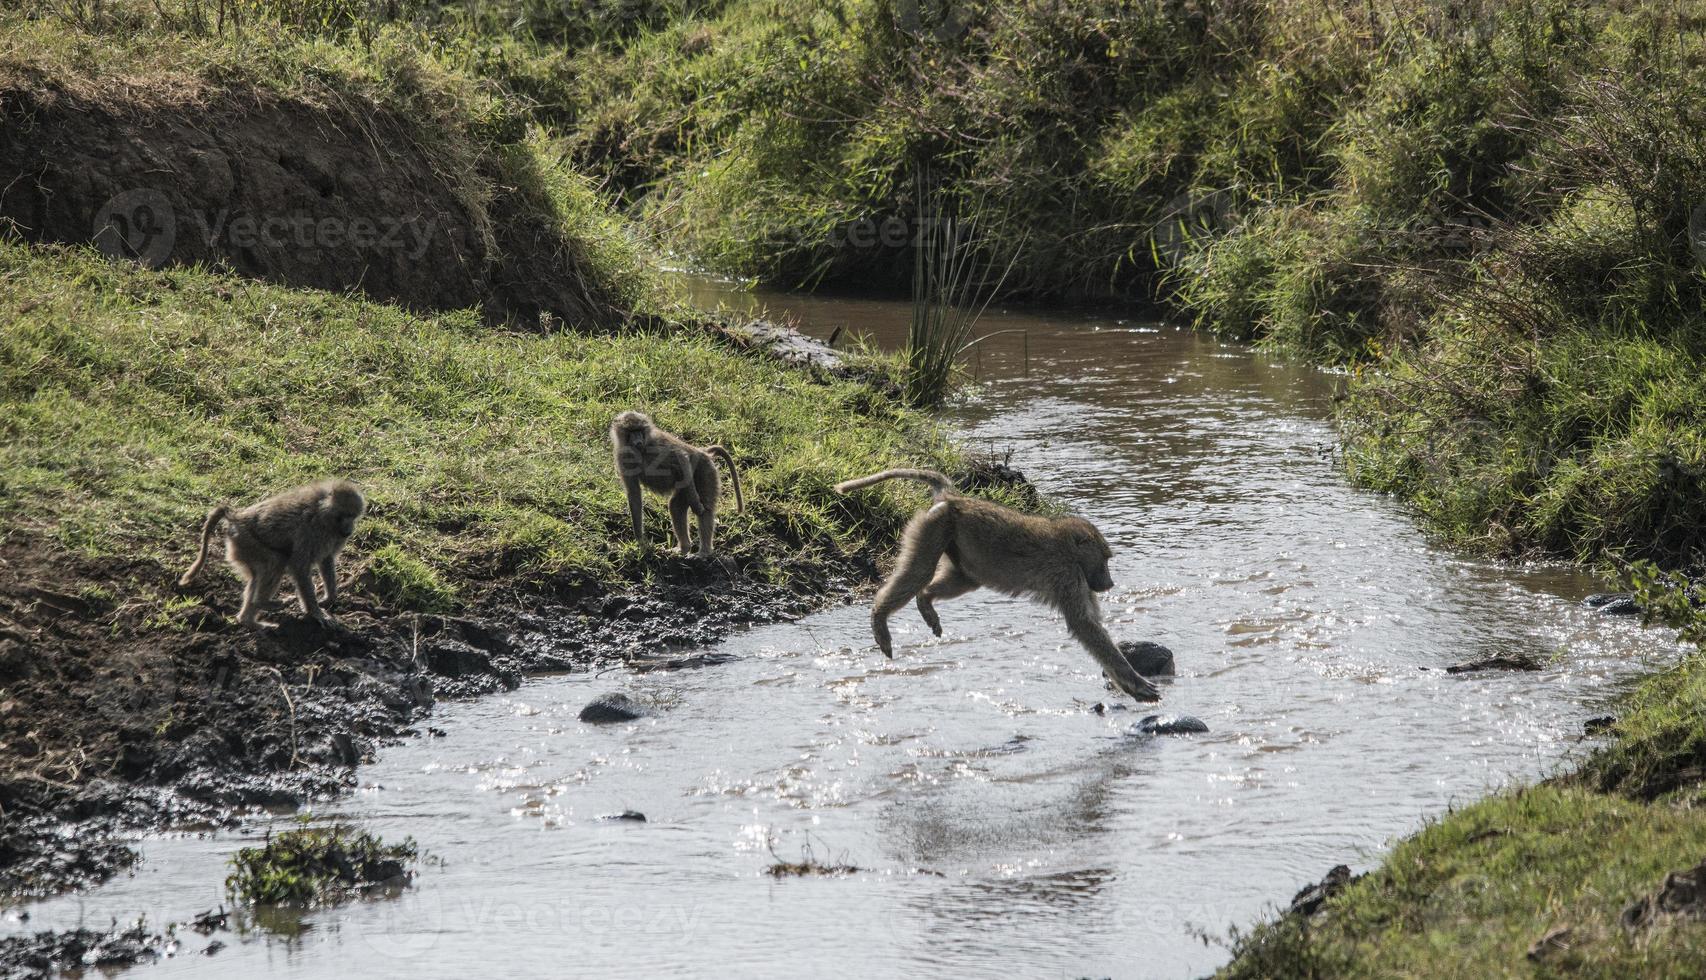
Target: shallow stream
{"x":1004,"y":828}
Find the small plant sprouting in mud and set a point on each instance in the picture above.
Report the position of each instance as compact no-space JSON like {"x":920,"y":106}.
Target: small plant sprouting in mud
{"x":808,"y":864}
{"x":317,"y":866}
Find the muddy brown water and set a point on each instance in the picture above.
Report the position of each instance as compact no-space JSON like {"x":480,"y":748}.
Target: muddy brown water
{"x":1004,"y":828}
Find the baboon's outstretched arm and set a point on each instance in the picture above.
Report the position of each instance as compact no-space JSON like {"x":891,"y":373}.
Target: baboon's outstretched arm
{"x":1085,"y":625}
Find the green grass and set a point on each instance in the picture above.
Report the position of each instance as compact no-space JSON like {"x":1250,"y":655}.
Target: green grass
{"x":1473,"y":890}
{"x":132,"y":401}
{"x":1437,"y":197}
{"x":1470,"y":893}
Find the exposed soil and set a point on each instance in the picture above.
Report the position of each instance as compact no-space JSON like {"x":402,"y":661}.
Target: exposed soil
{"x":115,"y":718}
{"x":329,"y":196}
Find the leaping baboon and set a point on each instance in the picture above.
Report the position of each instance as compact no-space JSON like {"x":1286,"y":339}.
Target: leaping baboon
{"x":294,"y":532}
{"x":662,"y":462}
{"x":960,"y":543}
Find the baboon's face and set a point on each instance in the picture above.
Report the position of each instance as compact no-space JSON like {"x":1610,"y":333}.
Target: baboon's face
{"x":1093,"y":556}
{"x":632,"y":429}
{"x":347,"y":508}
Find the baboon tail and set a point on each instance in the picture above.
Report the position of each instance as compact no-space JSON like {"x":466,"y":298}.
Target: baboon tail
{"x":214,"y":516}
{"x":734,"y":474}
{"x":939,"y":484}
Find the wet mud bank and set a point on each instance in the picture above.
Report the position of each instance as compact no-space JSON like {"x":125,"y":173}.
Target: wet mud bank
{"x":114,"y":719}
{"x":118,"y":717}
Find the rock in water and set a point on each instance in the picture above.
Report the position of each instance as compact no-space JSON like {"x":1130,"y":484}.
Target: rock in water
{"x":1309,"y":901}
{"x":607,"y":709}
{"x":626,"y":816}
{"x":1148,"y":659}
{"x":1495,"y":663}
{"x":1613,"y":603}
{"x":1171,"y":725}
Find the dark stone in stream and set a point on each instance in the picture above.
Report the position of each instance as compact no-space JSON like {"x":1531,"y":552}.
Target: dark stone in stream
{"x":1495,"y":663}
{"x":1598,"y":726}
{"x":626,"y":816}
{"x":1148,"y":659}
{"x":211,"y":920}
{"x":1171,"y":725}
{"x":607,"y":709}
{"x":1613,"y":603}
{"x":1309,"y":901}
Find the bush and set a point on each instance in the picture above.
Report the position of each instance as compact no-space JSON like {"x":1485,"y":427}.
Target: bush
{"x":317,"y":866}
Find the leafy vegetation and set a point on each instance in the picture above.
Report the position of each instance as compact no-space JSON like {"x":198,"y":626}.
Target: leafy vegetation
{"x":317,"y":866}
{"x":1482,"y":209}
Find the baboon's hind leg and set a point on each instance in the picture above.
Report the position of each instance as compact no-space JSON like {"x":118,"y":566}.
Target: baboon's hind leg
{"x":257,"y":592}
{"x":679,"y":504}
{"x":706,"y":483}
{"x":707,"y":530}
{"x":949,"y":582}
{"x":922,"y":544}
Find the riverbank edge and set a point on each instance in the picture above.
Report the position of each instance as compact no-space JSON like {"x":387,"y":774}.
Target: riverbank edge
{"x":283,"y":718}
{"x":132,"y":705}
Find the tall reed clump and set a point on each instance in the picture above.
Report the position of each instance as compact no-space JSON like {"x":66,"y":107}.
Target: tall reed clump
{"x":951,"y":288}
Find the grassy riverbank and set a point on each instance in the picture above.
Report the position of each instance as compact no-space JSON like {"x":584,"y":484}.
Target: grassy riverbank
{"x":1483,"y":210}
{"x":442,"y":309}
{"x":1481,"y":887}
{"x":133,"y":400}
{"x":1486,"y":213}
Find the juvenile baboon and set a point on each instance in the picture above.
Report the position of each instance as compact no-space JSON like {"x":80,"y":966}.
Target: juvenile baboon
{"x":294,"y":532}
{"x":960,"y":543}
{"x":661,"y":462}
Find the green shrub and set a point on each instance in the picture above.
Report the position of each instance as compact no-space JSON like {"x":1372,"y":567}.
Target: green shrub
{"x":317,"y":866}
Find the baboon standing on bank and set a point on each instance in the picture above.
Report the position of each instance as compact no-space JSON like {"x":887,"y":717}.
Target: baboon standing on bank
{"x":960,"y":543}
{"x":663,"y":463}
{"x":295,"y":532}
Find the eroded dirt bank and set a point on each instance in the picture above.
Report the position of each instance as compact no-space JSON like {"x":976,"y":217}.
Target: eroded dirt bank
{"x":335,"y":194}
